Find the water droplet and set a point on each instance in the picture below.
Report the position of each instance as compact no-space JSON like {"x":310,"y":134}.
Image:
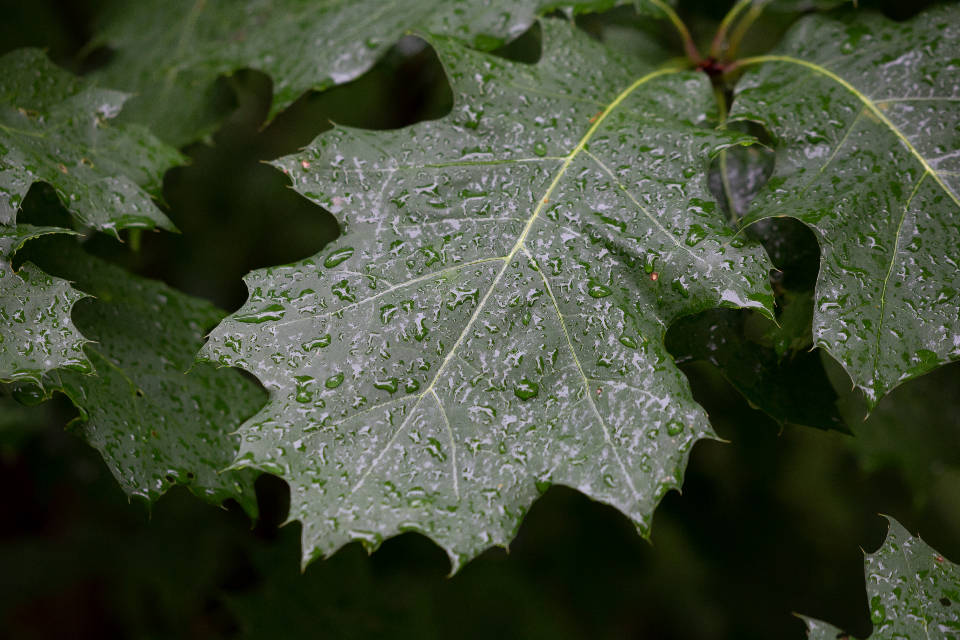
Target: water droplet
{"x":342,"y":291}
{"x":695,"y":235}
{"x":334,"y":381}
{"x":318,"y":343}
{"x":267,"y":314}
{"x":422,"y":329}
{"x":436,"y":449}
{"x":674,"y":428}
{"x":338,"y":256}
{"x":387,"y":312}
{"x":526,"y":389}
{"x":369,"y":539}
{"x":304,"y":394}
{"x":628,"y":341}
{"x":416,"y":496}
{"x":389,"y":385}
{"x":540,"y":149}
{"x":612,"y":222}
{"x":597,"y":290}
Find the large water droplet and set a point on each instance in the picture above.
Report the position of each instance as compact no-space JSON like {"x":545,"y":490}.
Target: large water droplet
{"x":390,"y":384}
{"x":334,"y":381}
{"x":338,"y":256}
{"x":597,"y":290}
{"x":267,"y":314}
{"x":318,"y":343}
{"x":526,"y":389}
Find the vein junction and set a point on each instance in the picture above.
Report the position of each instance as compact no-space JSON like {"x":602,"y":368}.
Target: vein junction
{"x":517,"y":247}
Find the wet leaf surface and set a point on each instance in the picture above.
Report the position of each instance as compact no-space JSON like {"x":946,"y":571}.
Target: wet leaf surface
{"x":55,"y":128}
{"x":37,"y":333}
{"x":492,"y":320}
{"x":863,"y":113}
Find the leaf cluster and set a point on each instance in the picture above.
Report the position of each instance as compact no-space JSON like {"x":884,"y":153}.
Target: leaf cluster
{"x":521,"y":282}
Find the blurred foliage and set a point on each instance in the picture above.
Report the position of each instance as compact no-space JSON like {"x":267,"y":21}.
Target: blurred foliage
{"x":771,"y":522}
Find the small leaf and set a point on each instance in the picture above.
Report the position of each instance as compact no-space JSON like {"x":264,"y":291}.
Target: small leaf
{"x":913,"y":591}
{"x":37,"y":333}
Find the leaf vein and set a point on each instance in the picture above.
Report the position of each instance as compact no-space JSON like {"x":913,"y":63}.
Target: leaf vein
{"x":886,"y":279}
{"x":453,"y":444}
{"x":867,"y":101}
{"x":586,"y":381}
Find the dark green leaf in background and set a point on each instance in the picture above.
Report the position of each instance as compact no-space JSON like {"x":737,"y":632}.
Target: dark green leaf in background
{"x":154,"y":422}
{"x":788,"y":385}
{"x":170,"y":52}
{"x":54,"y":128}
{"x":915,"y":430}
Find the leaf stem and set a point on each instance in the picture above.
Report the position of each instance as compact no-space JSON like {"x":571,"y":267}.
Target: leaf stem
{"x":721,"y":36}
{"x":756,"y":9}
{"x":688,"y":45}
{"x":721,"y":98}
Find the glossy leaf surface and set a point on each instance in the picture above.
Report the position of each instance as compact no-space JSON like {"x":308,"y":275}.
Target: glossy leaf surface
{"x":37,"y":333}
{"x":156,"y":419}
{"x":54,"y":128}
{"x":913,"y":592}
{"x":171,"y":52}
{"x":492,"y":319}
{"x":864,"y":115}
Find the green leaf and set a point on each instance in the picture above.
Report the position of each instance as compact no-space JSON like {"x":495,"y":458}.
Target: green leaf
{"x":54,"y":128}
{"x":170,"y":52}
{"x":913,"y":592}
{"x":492,"y":320}
{"x":155,"y":419}
{"x":37,"y":334}
{"x":863,"y":114}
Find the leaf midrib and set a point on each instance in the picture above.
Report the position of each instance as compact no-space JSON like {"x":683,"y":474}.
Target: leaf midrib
{"x":517,"y":247}
{"x":866,"y":100}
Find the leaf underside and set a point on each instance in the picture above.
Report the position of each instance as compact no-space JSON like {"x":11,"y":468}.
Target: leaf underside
{"x":492,"y":320}
{"x":863,"y":114}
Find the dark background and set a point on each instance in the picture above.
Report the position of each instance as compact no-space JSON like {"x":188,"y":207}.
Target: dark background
{"x":773,"y":521}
